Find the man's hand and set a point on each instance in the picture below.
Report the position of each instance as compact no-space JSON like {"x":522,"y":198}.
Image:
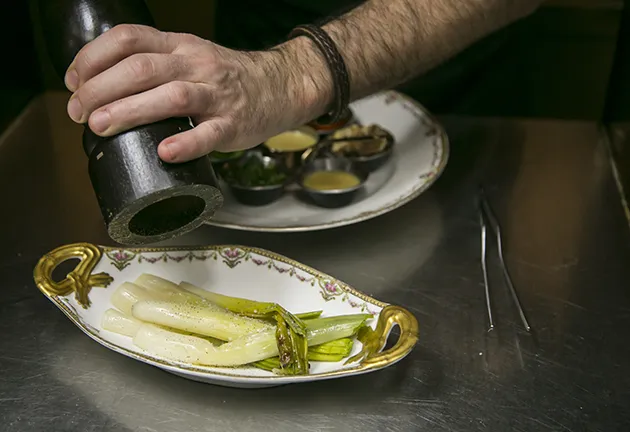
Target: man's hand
{"x":135,"y":75}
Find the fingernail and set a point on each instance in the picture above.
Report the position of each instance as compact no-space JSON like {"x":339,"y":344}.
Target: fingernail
{"x":75,"y":110}
{"x":72,"y":80}
{"x":100,"y":121}
{"x":168,"y":151}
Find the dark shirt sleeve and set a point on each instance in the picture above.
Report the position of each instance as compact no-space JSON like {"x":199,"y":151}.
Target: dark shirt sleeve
{"x":256,"y":24}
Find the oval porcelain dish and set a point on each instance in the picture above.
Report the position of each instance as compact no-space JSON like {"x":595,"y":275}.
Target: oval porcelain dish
{"x":85,"y":294}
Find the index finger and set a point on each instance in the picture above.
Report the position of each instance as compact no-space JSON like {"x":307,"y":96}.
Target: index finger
{"x":113,"y":46}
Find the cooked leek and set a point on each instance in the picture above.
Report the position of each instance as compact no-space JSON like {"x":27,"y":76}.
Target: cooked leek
{"x":290,"y":336}
{"x":309,"y":315}
{"x":162,"y":289}
{"x":117,"y":322}
{"x":273,"y":364}
{"x":336,"y":347}
{"x":199,"y":317}
{"x":177,"y":322}
{"x":126,"y":295}
{"x":160,"y":286}
{"x":249,"y":349}
{"x":291,"y":332}
{"x":333,"y":351}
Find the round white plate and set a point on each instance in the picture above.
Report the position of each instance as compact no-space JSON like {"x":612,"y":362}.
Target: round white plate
{"x":420,"y":155}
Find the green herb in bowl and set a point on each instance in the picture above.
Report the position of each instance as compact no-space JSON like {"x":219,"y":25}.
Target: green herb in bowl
{"x":253,"y":172}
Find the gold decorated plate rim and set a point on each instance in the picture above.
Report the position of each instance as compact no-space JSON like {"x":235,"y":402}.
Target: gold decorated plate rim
{"x":203,"y":371}
{"x":260,"y":251}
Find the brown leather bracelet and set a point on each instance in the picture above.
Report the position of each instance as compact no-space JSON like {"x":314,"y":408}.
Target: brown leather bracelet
{"x":337,"y":66}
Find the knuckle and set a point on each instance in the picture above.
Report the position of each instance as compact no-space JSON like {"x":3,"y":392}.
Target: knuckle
{"x":179,"y":95}
{"x":83,"y":64}
{"x":88,"y":96}
{"x":126,"y":35}
{"x":206,"y":138}
{"x":142,"y":67}
{"x":212,"y":131}
{"x":199,"y":68}
{"x":188,"y":39}
{"x":220,"y":133}
{"x":184,"y":43}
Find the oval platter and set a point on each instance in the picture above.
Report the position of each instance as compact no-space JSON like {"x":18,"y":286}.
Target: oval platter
{"x":85,"y":294}
{"x":420,"y":155}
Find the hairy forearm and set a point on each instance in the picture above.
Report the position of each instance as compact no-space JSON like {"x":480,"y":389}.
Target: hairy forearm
{"x":387,"y":42}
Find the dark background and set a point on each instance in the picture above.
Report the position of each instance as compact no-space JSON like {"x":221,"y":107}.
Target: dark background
{"x":569,"y":60}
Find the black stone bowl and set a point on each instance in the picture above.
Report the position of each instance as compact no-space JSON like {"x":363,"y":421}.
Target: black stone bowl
{"x":334,"y":198}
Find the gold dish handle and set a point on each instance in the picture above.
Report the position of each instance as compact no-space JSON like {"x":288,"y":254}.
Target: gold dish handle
{"x":80,"y":280}
{"x":374,"y":341}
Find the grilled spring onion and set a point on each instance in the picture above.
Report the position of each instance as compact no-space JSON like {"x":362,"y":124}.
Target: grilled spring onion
{"x":333,"y":351}
{"x":189,"y":311}
{"x":156,"y":284}
{"x":164,"y":303}
{"x":150,"y":287}
{"x":249,"y":349}
{"x":290,"y":333}
{"x":204,"y":318}
{"x":128,"y":294}
{"x":159,"y":288}
{"x":118,"y":322}
{"x":198,"y":317}
{"x":309,"y":315}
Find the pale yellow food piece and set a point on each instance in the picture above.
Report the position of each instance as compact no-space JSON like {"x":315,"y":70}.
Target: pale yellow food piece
{"x":289,"y":141}
{"x":117,"y":322}
{"x":201,"y":317}
{"x":331,"y":180}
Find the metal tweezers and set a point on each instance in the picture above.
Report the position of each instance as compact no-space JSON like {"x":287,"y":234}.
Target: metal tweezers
{"x":487,"y":218}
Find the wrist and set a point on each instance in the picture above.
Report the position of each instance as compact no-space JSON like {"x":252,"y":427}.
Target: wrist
{"x":304,"y":77}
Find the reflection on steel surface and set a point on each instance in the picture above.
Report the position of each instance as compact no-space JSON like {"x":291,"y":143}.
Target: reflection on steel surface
{"x":486,"y":215}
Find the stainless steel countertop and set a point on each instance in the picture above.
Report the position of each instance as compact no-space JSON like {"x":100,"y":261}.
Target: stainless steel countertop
{"x":567,"y":243}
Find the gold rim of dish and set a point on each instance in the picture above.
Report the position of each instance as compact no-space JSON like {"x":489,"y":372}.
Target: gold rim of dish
{"x":81,"y":280}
